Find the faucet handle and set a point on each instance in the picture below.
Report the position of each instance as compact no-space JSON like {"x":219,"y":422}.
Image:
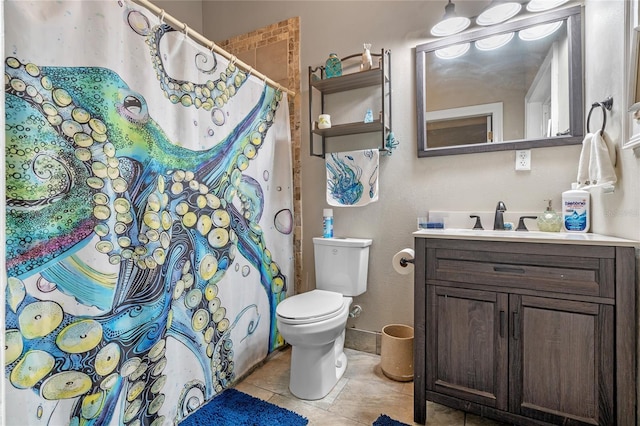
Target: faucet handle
{"x":521,"y":225}
{"x":478,"y":224}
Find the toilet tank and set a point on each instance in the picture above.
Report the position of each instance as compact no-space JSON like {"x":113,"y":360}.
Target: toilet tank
{"x":342,"y":264}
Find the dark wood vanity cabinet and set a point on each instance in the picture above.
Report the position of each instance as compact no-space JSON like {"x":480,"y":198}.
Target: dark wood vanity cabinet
{"x":526,"y":333}
{"x":468,"y":350}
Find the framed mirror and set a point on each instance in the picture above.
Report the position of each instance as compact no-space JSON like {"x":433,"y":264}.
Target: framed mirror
{"x":525,"y":93}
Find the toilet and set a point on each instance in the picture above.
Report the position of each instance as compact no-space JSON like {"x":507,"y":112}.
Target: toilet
{"x":314,"y":323}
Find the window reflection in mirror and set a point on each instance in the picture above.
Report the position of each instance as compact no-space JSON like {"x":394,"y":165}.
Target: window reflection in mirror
{"x":460,"y":131}
{"x":536,"y":80}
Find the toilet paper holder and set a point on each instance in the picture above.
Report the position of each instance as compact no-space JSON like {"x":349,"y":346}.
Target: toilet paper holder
{"x":404,"y":261}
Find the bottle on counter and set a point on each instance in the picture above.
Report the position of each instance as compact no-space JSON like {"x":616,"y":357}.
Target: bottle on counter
{"x":575,"y":210}
{"x":549,"y":220}
{"x":327,"y":223}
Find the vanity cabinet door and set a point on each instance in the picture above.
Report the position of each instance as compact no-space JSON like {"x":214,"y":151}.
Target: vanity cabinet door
{"x":467,"y":342}
{"x":561,"y":360}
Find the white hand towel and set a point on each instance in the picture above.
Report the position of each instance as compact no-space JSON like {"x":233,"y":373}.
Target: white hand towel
{"x":583,"y":164}
{"x":602,"y":161}
{"x":352,"y":178}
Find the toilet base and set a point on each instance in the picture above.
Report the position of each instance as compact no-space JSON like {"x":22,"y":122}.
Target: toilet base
{"x":315,"y":370}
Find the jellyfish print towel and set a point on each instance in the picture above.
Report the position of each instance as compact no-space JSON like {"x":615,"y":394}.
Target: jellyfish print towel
{"x":352,"y":178}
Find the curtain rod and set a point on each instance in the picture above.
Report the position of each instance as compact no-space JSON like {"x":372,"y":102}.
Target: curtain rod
{"x":208,"y":43}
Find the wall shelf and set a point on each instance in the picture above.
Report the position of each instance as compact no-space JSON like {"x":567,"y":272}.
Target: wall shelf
{"x":380,"y":76}
{"x":349,"y":129}
{"x":349,"y":81}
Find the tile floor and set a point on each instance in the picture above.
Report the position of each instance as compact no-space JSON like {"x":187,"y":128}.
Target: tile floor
{"x":362,"y":394}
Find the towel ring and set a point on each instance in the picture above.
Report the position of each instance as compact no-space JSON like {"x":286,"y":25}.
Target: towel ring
{"x":606,"y":106}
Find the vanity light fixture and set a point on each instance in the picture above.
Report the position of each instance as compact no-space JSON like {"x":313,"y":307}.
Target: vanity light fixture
{"x":539,"y":31}
{"x":542,"y":5}
{"x":450,"y":23}
{"x":498,"y":11}
{"x":494,"y":42}
{"x":454,"y":51}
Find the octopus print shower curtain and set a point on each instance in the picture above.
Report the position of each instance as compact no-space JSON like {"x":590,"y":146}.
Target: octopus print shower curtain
{"x":148,"y":217}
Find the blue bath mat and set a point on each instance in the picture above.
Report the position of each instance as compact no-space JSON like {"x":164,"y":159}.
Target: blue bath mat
{"x":385,"y":420}
{"x":235,"y":408}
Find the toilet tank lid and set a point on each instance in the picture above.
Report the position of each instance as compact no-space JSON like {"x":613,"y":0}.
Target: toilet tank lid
{"x":343,"y":242}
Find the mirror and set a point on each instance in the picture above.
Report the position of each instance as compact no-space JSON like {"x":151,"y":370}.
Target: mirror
{"x":525,"y":94}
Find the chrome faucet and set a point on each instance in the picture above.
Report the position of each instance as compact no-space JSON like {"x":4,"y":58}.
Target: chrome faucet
{"x":498,"y":221}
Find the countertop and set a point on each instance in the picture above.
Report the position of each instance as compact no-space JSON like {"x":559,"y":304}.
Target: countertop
{"x":527,"y":237}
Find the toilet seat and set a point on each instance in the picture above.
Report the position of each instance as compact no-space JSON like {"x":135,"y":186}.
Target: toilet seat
{"x":310,"y":307}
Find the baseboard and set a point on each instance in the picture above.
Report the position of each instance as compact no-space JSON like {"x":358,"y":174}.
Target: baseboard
{"x":363,"y":340}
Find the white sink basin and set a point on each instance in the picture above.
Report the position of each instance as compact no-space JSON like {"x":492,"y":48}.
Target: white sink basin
{"x":524,"y":236}
{"x":515,"y":234}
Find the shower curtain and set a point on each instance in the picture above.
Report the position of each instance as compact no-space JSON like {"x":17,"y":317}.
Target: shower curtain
{"x":148,"y":217}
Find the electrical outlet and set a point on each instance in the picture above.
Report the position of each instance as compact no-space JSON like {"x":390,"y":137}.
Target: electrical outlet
{"x":523,"y":159}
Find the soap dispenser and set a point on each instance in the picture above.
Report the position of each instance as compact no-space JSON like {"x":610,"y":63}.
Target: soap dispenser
{"x":549,"y":220}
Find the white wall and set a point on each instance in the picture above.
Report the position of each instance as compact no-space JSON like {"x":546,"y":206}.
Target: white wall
{"x":615,"y":214}
{"x":410,"y":186}
{"x":186,"y":11}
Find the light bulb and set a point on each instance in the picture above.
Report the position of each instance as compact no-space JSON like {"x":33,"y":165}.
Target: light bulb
{"x":451,"y":23}
{"x":454,"y":51}
{"x":450,"y":26}
{"x":497,"y":13}
{"x":494,"y":42}
{"x":539,"y":31}
{"x":542,"y":5}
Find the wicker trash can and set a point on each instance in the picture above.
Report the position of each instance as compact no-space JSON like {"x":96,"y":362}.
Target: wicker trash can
{"x":396,"y":352}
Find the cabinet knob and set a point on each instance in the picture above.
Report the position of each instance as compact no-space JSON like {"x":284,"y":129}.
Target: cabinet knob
{"x":516,"y":325}
{"x":509,"y":269}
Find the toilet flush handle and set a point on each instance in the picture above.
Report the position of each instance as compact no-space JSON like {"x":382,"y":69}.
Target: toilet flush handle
{"x":355,"y":312}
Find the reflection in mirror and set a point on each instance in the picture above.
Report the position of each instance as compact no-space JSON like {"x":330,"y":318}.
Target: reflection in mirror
{"x":515,"y":85}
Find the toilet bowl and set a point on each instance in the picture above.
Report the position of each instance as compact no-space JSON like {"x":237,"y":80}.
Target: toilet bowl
{"x":314,"y":323}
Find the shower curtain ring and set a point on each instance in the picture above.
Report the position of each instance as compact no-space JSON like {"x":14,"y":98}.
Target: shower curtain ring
{"x":233,"y":60}
{"x":186,"y":30}
{"x":249,"y":72}
{"x":161,"y":16}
